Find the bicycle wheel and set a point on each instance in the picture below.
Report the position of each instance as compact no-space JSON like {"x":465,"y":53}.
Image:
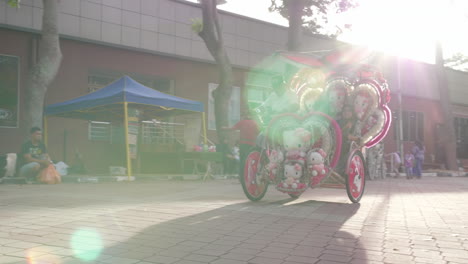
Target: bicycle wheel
{"x":294,"y":195}
{"x":356,"y":171}
{"x":253,"y":185}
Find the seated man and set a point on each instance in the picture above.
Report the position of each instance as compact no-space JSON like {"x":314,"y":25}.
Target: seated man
{"x":282,"y":100}
{"x":33,"y":156}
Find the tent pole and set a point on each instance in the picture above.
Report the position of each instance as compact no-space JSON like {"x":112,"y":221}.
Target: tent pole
{"x":127,"y":147}
{"x":204,"y":128}
{"x":45,"y":132}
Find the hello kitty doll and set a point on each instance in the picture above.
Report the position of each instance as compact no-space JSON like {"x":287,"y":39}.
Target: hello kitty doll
{"x":369,"y":118}
{"x":296,"y":143}
{"x":336,"y":96}
{"x":362,"y":103}
{"x":316,"y":165}
{"x":293,"y":174}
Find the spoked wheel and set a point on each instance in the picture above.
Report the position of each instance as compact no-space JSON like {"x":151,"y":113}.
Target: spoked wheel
{"x":294,"y":195}
{"x":254,"y":187}
{"x":356,"y":172}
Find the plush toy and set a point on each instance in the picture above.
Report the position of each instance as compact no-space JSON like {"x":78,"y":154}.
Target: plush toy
{"x":337,"y":94}
{"x":316,"y":166}
{"x":275,"y":157}
{"x":296,"y":143}
{"x":362,"y":103}
{"x":370,"y":119}
{"x":293,"y":173}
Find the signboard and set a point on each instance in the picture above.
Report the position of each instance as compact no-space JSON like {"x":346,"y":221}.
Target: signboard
{"x":9,"y":90}
{"x":133,"y":129}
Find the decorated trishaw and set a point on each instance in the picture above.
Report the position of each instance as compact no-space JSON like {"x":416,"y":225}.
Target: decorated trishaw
{"x":316,"y":123}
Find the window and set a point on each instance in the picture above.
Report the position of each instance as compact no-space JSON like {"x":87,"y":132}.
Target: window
{"x":461,"y":132}
{"x":161,"y":133}
{"x":100,"y":131}
{"x":9,"y":90}
{"x":413,"y":125}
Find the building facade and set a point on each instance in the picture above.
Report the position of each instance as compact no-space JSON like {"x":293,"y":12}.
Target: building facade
{"x":152,"y":41}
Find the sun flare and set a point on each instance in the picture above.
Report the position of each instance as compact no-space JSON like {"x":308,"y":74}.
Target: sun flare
{"x":406,"y":28}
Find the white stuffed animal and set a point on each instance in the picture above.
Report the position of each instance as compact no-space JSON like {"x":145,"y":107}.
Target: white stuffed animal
{"x":293,"y":173}
{"x":316,"y":166}
{"x":315,"y":162}
{"x":296,"y":143}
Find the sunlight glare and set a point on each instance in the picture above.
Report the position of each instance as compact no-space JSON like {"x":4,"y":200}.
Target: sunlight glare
{"x":86,"y":244}
{"x":403,"y":28}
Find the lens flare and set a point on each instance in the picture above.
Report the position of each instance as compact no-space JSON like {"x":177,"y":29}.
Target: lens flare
{"x":39,"y":257}
{"x":86,"y":244}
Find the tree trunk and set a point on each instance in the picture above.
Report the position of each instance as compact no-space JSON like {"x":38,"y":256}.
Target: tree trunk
{"x":450,"y":147}
{"x":211,"y":35}
{"x":295,"y":12}
{"x":44,"y":71}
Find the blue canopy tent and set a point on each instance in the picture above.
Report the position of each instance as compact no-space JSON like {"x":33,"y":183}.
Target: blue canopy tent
{"x":107,"y":103}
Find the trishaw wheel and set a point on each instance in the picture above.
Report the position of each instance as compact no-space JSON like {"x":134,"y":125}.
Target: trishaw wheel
{"x":356,"y":171}
{"x":294,"y":195}
{"x":254,"y":188}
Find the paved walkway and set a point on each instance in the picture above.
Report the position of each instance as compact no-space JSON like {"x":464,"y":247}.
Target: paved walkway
{"x":397,"y":221}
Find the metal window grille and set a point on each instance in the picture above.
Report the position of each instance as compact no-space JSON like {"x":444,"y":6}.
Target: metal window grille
{"x":413,"y":125}
{"x":99,"y":131}
{"x":162,"y":133}
{"x":461,"y":131}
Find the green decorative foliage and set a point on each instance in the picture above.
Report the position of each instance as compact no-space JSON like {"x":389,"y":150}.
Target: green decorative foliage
{"x":197,"y":25}
{"x":13,"y":3}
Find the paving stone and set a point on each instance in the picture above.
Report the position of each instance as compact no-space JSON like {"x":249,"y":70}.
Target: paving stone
{"x":263,"y":260}
{"x":299,"y":259}
{"x":336,"y":258}
{"x":429,"y":260}
{"x":397,"y":258}
{"x":200,"y":258}
{"x":322,"y":261}
{"x":211,"y":252}
{"x":238,"y":256}
{"x":277,"y":249}
{"x":146,"y":219}
{"x":245,"y":251}
{"x":184,"y":261}
{"x":6,"y":249}
{"x":227,"y":261}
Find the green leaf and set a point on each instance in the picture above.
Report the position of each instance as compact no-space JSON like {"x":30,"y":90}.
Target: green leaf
{"x":13,"y":3}
{"x":197,"y":25}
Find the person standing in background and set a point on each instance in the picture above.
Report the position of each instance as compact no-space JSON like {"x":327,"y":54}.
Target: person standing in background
{"x":248,"y":134}
{"x":409,"y":164}
{"x":418,"y":152}
{"x":396,"y":163}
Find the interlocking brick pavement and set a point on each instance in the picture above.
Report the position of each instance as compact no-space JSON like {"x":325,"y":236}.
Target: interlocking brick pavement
{"x":397,"y":221}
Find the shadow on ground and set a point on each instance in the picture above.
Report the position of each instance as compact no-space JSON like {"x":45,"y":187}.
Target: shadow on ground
{"x":278,"y":231}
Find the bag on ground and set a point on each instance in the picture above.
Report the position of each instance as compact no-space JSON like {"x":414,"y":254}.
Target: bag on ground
{"x":49,"y":175}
